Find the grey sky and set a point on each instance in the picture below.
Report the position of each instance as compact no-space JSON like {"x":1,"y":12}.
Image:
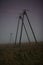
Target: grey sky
{"x":9,"y":13}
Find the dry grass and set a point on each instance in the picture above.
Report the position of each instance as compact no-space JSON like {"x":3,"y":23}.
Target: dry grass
{"x":26,"y":54}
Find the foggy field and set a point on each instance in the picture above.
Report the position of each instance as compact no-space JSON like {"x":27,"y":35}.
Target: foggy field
{"x":26,"y":54}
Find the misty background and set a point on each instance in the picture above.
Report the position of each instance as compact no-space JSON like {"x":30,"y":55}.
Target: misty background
{"x":9,"y":14}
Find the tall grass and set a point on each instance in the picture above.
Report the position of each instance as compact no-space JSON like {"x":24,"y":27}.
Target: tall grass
{"x":26,"y":54}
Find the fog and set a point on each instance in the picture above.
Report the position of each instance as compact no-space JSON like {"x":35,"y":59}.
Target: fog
{"x":9,"y":14}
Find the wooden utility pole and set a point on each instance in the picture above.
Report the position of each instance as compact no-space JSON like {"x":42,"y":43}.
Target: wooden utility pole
{"x":22,"y":19}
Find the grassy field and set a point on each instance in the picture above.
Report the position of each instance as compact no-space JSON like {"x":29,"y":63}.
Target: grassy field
{"x":26,"y":54}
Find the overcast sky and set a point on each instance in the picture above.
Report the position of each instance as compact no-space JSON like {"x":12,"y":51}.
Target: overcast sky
{"x":9,"y":13}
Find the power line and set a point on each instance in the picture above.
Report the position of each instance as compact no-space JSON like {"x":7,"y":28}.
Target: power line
{"x":11,"y":38}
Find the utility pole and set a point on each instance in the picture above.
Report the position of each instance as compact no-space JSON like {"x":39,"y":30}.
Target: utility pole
{"x":17,"y":29}
{"x":11,"y":38}
{"x":22,"y":19}
{"x":24,"y":13}
{"x":21,"y":29}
